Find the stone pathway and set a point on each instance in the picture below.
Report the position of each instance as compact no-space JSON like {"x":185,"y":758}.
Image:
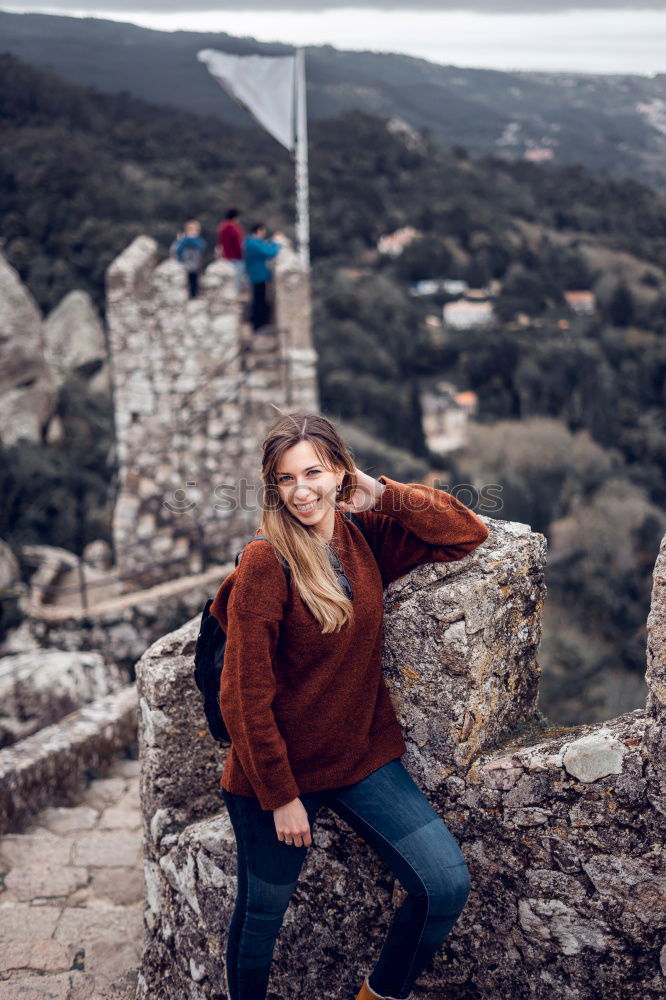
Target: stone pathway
{"x":71,"y":897}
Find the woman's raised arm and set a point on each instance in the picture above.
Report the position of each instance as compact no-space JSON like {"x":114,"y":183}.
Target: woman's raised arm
{"x":410,"y":524}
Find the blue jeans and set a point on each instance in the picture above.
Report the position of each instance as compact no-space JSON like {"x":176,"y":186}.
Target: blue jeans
{"x":391,"y":813}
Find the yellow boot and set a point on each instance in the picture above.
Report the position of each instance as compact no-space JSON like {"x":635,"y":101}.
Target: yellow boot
{"x":366,"y":993}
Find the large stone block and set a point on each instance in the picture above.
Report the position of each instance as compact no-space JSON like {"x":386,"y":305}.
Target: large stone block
{"x":460,"y":649}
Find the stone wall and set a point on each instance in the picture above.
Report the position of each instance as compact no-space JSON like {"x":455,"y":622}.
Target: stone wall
{"x":53,"y":766}
{"x":193,"y":390}
{"x":39,"y":687}
{"x":562,"y":829}
{"x":122,"y":628}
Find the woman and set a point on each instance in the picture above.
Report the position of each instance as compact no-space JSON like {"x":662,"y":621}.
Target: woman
{"x":305,"y":703}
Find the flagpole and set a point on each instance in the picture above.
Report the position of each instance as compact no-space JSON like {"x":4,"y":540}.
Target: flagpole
{"x":302,"y":178}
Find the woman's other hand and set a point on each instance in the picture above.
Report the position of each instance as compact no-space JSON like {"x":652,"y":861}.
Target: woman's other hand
{"x":366,"y":494}
{"x":292,"y":825}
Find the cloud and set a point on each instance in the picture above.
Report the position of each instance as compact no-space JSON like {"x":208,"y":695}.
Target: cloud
{"x":526,"y":7}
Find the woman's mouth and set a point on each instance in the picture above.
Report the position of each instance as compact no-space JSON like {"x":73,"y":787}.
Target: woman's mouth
{"x":307,"y":508}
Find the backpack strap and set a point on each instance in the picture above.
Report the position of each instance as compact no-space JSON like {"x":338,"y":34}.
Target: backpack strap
{"x":350,"y":516}
{"x":240,"y":551}
{"x":255,"y":538}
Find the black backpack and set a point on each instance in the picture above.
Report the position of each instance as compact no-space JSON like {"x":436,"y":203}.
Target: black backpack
{"x":209,"y":652}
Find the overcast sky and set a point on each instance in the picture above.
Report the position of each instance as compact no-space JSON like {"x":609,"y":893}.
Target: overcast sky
{"x":597,"y":36}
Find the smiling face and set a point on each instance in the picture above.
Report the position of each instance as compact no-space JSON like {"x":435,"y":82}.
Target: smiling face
{"x":308,"y":488}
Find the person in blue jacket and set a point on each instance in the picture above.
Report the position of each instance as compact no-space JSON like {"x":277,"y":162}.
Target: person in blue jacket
{"x":258,"y":251}
{"x":189,"y":248}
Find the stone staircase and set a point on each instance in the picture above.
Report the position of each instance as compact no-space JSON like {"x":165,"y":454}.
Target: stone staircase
{"x":71,"y":897}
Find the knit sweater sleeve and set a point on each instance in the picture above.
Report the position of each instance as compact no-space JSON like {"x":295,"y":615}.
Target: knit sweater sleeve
{"x":412,"y":524}
{"x":249,"y":606}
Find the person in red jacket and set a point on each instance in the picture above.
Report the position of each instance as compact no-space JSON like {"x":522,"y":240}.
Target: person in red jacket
{"x":230,"y":236}
{"x":307,"y":708}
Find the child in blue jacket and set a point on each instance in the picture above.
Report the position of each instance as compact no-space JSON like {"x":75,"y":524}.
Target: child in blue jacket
{"x":189,"y":250}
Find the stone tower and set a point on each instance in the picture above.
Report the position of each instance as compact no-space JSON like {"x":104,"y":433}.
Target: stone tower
{"x":192,"y":392}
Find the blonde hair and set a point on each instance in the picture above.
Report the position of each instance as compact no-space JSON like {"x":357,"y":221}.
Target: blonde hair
{"x":304,"y":549}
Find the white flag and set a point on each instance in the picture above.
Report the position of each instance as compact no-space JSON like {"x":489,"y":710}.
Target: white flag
{"x":264,"y":85}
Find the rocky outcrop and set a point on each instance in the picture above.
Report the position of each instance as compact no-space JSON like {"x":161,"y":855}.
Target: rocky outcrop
{"x":36,"y":357}
{"x":75,"y":343}
{"x":9,"y":568}
{"x":561,"y":828}
{"x":27,"y":391}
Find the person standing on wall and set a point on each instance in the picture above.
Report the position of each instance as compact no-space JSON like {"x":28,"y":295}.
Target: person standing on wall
{"x":230,"y":236}
{"x":258,"y":251}
{"x":189,"y":250}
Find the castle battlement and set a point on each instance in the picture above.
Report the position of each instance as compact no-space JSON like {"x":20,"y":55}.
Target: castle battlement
{"x":192,"y":390}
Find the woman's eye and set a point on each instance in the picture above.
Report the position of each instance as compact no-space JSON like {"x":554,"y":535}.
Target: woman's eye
{"x":311,"y":472}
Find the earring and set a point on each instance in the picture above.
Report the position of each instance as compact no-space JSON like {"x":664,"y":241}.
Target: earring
{"x":338,"y":488}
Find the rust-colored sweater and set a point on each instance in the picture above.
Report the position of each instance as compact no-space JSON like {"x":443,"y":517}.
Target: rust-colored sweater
{"x":308,"y":711}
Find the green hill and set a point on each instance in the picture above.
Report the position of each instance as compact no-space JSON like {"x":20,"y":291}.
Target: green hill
{"x":608,"y":123}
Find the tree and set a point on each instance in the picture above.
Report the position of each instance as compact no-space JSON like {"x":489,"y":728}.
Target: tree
{"x":621,"y":306}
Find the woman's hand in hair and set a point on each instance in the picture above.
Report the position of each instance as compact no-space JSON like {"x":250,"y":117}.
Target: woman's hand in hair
{"x":292,"y":825}
{"x":366,"y":494}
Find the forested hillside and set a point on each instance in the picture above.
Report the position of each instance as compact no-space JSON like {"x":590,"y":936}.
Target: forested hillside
{"x":609,"y":123}
{"x":571,"y":408}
